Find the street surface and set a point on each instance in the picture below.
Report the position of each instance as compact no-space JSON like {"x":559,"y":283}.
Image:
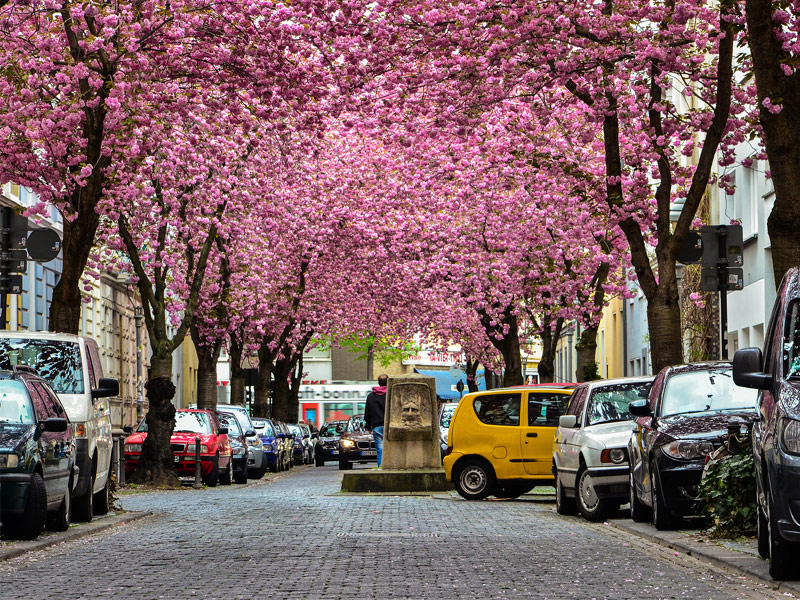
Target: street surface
{"x":295,"y":537}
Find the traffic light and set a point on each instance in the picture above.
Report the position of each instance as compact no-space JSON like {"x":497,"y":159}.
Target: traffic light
{"x":13,"y":255}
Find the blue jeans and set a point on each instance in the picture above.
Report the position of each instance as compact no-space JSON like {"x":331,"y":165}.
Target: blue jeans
{"x":377,"y":435}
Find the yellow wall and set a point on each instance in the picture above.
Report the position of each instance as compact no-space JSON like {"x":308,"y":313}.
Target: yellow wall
{"x":189,"y":373}
{"x":610,"y":341}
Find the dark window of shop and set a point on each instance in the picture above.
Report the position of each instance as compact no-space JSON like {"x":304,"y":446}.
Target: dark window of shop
{"x":498,"y":409}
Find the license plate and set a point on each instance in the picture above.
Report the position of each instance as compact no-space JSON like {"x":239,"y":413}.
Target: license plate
{"x":177,"y":459}
{"x":335,"y":452}
{"x":369,"y":453}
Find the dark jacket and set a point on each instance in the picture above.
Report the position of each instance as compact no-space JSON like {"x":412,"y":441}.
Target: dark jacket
{"x":375,"y":407}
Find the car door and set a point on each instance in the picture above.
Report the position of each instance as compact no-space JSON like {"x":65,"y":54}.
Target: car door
{"x":568,"y":441}
{"x":55,"y":448}
{"x":100,"y":415}
{"x":642,"y":439}
{"x":541,"y":410}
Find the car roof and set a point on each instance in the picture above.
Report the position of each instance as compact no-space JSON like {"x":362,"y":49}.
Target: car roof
{"x":618,"y":380}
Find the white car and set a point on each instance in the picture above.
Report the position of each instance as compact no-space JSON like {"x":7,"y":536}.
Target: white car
{"x":590,"y":459}
{"x":445,"y":414}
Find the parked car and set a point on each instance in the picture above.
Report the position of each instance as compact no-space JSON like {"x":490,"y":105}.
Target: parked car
{"x":683,"y":420}
{"x":71,"y":364}
{"x":590,"y":456}
{"x":257,"y":463}
{"x":309,"y":441}
{"x":445,"y":415}
{"x":37,"y":456}
{"x":501,"y":440}
{"x":776,"y":431}
{"x":356,"y":444}
{"x":238,"y":448}
{"x":327,"y":447}
{"x":286,"y":441}
{"x":215,"y":449}
{"x":298,"y":447}
{"x":273,"y":447}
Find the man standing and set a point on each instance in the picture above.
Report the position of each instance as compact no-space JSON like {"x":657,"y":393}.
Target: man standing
{"x":374,"y":412}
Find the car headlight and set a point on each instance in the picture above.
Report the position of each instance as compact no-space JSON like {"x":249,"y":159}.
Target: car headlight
{"x":133,"y":448}
{"x":239,"y":451}
{"x":8,"y":461}
{"x":253,"y":442}
{"x":191,"y":449}
{"x":348,"y":443}
{"x":791,"y":436}
{"x":613,"y":455}
{"x":268,"y":448}
{"x":687,"y":449}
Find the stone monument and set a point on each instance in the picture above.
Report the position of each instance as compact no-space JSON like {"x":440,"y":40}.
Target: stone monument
{"x":412,"y":460}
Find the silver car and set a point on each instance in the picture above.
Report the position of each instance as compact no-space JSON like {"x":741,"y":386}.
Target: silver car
{"x":257,"y":462}
{"x":590,"y":459}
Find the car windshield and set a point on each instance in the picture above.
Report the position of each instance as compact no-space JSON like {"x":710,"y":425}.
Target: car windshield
{"x":230,"y":422}
{"x":295,"y":430}
{"x":355,"y":424}
{"x":15,"y":404}
{"x":447,"y":414}
{"x":331,"y":430}
{"x":192,"y":422}
{"x":703,"y":391}
{"x":57,"y":361}
{"x":609,"y":403}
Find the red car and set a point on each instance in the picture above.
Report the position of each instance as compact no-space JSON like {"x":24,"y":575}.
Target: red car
{"x":215,"y":448}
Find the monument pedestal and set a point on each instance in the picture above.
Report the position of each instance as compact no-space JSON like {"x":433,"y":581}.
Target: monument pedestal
{"x":395,"y":480}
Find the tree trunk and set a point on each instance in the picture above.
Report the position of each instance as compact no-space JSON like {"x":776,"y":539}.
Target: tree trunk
{"x":664,"y":319}
{"x":282,"y":392}
{"x":294,"y":392}
{"x":586,"y":368}
{"x":237,"y":374}
{"x":471,"y":370}
{"x":261,"y":393}
{"x":505,"y":343}
{"x":781,"y":133}
{"x":78,"y":239}
{"x":550,"y":336}
{"x":156,"y":464}
{"x":207,"y":357}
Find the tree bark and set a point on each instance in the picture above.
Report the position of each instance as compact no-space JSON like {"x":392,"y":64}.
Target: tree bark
{"x":471,"y":370}
{"x":294,"y":391}
{"x":781,"y":133}
{"x":505,"y":343}
{"x":207,"y":358}
{"x":156,"y":464}
{"x":261,"y":393}
{"x":237,"y":373}
{"x":586,"y":359}
{"x":550,"y":336}
{"x":282,"y":391}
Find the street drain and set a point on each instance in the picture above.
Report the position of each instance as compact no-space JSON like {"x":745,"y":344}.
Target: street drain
{"x":403,"y":534}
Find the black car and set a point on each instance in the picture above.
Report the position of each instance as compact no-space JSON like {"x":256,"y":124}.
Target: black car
{"x":238,"y":448}
{"x":356,"y":445}
{"x":683,"y":420}
{"x":37,"y":456}
{"x":776,"y":432}
{"x":327,"y":447}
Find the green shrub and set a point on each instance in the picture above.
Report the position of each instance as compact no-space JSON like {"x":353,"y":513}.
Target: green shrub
{"x":728,"y":493}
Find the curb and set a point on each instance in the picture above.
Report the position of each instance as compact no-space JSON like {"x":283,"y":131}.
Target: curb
{"x":47,"y":539}
{"x":719,"y":555}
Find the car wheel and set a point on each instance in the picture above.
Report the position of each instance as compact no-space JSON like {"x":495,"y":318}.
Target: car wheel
{"x":84,"y":505}
{"x":226,"y":478}
{"x":102,"y":500}
{"x":273,"y":467}
{"x":662,"y":519}
{"x":564,"y":504}
{"x":590,"y":505}
{"x":783,"y":555}
{"x":241,"y":476}
{"x":763,"y":532}
{"x":474,"y":479}
{"x":512,"y":490}
{"x":259,"y":472}
{"x":212,"y":479}
{"x":33,"y":518}
{"x":640,"y":513}
{"x":319,"y":462}
{"x":59,"y":521}
{"x":345,"y":465}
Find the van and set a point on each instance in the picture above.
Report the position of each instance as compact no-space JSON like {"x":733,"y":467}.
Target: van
{"x":71,"y":364}
{"x":500,"y":441}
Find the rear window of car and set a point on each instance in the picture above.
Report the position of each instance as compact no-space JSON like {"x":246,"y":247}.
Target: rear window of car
{"x":498,"y":409}
{"x":58,"y":362}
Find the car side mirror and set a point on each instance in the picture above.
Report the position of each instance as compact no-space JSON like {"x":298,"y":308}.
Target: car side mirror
{"x":567,"y":421}
{"x":223,"y":430}
{"x":53,"y":425}
{"x":128,"y":429}
{"x":107,"y":388}
{"x":281,"y":436}
{"x":249,"y":433}
{"x":748,"y":366}
{"x":640,"y":408}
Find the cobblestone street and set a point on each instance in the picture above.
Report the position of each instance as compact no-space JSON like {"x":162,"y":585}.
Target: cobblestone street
{"x":295,"y":537}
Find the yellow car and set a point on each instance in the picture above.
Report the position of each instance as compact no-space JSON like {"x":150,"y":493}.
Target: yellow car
{"x":501,"y":441}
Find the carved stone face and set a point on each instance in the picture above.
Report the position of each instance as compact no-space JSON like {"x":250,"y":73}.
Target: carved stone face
{"x":411,"y":403}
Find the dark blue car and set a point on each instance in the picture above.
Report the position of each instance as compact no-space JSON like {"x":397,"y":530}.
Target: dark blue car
{"x":272,"y":449}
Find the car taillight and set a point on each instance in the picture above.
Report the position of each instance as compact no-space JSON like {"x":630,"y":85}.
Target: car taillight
{"x":448,"y":451}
